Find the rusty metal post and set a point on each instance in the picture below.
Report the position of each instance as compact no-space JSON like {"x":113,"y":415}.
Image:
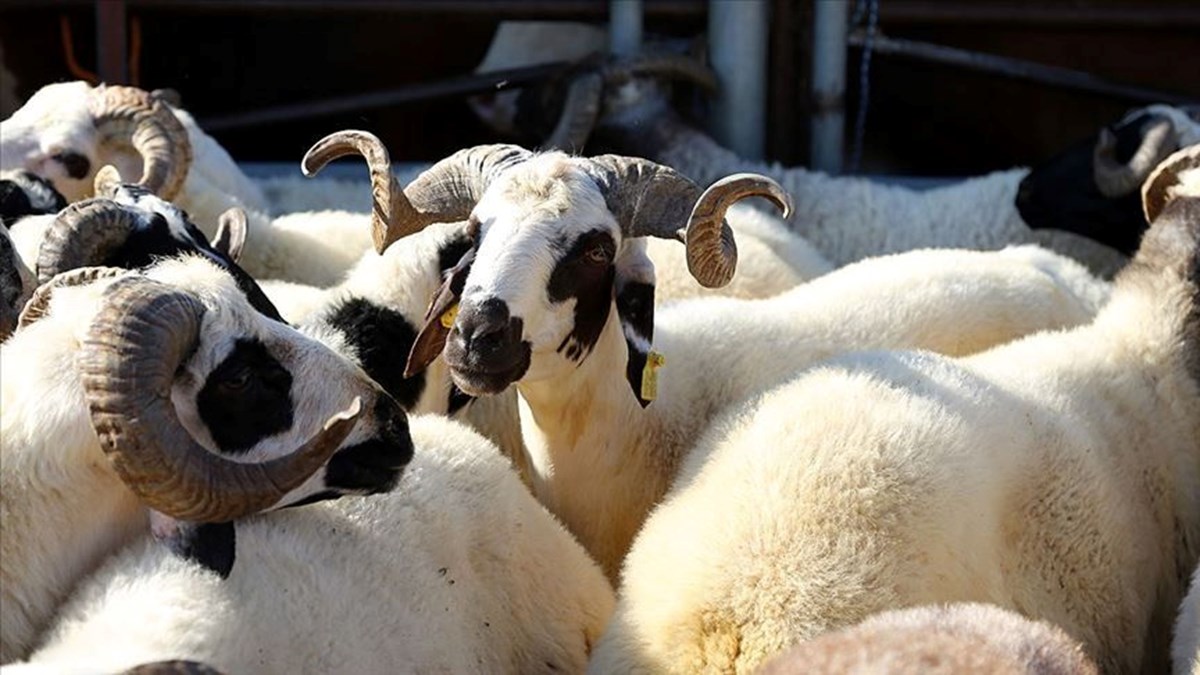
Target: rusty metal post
{"x":112,"y":44}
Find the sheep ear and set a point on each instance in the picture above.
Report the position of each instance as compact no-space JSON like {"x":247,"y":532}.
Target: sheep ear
{"x":634,"y":294}
{"x":211,"y":545}
{"x":232,"y":231}
{"x":439,"y":317}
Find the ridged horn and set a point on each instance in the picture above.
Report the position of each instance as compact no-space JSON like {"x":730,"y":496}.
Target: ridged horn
{"x":1157,"y":191}
{"x":131,"y":116}
{"x":1114,"y":179}
{"x":83,"y":235}
{"x":444,"y":193}
{"x":38,"y":305}
{"x":579,"y":114}
{"x":649,"y":199}
{"x":141,"y":335}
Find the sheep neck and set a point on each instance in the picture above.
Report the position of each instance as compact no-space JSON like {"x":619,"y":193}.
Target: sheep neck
{"x":593,"y":463}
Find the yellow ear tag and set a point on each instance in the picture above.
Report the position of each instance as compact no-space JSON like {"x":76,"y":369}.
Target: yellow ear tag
{"x":654,"y":361}
{"x":449,"y":315}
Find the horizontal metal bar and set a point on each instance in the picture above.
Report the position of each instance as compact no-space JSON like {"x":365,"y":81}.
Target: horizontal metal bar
{"x":1132,"y":15}
{"x":1066,"y":78}
{"x":544,"y":9}
{"x":458,"y":86}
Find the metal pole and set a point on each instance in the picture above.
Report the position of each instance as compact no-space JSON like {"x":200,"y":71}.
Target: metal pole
{"x":111,"y":43}
{"x":737,"y":40}
{"x":624,"y":27}
{"x":831,"y":20}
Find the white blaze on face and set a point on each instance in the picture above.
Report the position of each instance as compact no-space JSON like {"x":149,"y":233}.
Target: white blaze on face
{"x":529,"y":218}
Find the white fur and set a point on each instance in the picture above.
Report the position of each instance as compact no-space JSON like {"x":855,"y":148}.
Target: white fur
{"x":600,"y":461}
{"x":457,"y":570}
{"x":1057,"y":476}
{"x":64,"y":510}
{"x":939,"y":640}
{"x":1185,"y":650}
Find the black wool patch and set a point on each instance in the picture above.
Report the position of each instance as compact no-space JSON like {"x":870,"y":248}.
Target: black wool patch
{"x":382,"y":338}
{"x":246,"y":398}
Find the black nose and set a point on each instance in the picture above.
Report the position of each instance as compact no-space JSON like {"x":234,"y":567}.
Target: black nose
{"x":374,"y":465}
{"x":484,"y":324}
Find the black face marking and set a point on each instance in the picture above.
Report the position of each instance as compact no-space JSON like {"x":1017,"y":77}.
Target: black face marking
{"x":457,"y":400}
{"x":382,"y":338}
{"x":246,"y":398}
{"x":10,"y":279}
{"x":1062,"y":194}
{"x":453,"y":251}
{"x":375,"y":465}
{"x":211,"y":545}
{"x":585,"y":272}
{"x":635,"y":308}
{"x":78,"y":166}
{"x":26,"y":194}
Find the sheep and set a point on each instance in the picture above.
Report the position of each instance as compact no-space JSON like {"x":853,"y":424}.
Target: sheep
{"x":1057,"y":476}
{"x":66,"y":132}
{"x":25,"y":194}
{"x":456,"y":570}
{"x":1082,"y":192}
{"x":1185,"y":649}
{"x":16,"y":284}
{"x":242,"y":388}
{"x":558,"y":244}
{"x":939,"y":640}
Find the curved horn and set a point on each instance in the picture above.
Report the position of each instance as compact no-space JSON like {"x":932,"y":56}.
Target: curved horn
{"x":650,"y":199}
{"x":1114,"y":179}
{"x":38,"y":305}
{"x":711,"y":250}
{"x":142,"y":333}
{"x":107,"y":181}
{"x":671,"y":66}
{"x":579,"y":114}
{"x":1157,"y":191}
{"x":84,"y":234}
{"x":130,"y":115}
{"x":444,"y":193}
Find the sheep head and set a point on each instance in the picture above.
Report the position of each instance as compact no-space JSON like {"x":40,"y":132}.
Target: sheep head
{"x":128,"y":226}
{"x":556,"y":243}
{"x":65,"y":132}
{"x":209,"y":411}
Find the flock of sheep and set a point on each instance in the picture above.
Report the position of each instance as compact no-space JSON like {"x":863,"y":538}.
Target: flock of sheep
{"x":568,"y":411}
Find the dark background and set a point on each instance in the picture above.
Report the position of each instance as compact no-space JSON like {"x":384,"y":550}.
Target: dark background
{"x":924,"y":119}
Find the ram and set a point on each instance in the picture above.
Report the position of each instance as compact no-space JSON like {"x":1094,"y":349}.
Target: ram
{"x":456,"y":570}
{"x":1185,"y":650}
{"x":557,"y":296}
{"x":941,"y":640}
{"x":1057,"y":476}
{"x":67,"y":132}
{"x":165,"y":390}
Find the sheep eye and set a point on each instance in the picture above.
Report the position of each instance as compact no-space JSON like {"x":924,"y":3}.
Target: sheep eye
{"x":597,"y":255}
{"x":237,"y":380}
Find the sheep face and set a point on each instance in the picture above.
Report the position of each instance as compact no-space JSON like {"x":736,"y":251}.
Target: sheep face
{"x":52,"y":136}
{"x":1092,"y":188}
{"x":541,"y":286}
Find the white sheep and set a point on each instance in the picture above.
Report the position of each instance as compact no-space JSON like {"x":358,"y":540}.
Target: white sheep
{"x":1185,"y":649}
{"x":58,"y":135}
{"x":560,"y":247}
{"x":249,"y":388}
{"x":938,"y":640}
{"x":1057,"y":476}
{"x":457,"y":570}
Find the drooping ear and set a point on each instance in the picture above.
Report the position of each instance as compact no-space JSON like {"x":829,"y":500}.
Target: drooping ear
{"x":232,"y":231}
{"x":439,"y":317}
{"x":634,"y":293}
{"x":211,"y":545}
